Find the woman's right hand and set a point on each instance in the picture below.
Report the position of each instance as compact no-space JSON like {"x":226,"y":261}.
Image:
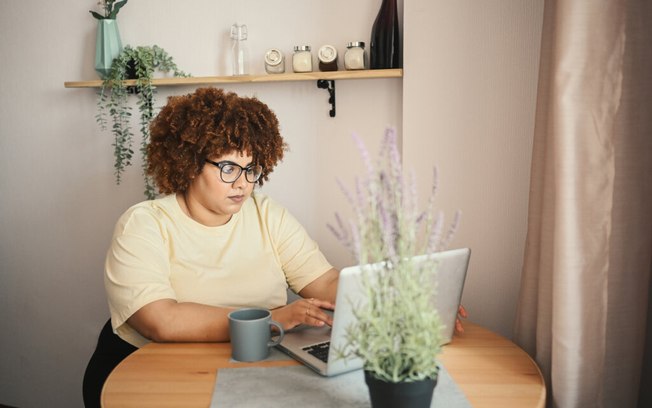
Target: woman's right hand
{"x":304,"y":311}
{"x":461,"y":313}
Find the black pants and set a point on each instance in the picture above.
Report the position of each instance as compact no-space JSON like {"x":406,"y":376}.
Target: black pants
{"x":110,"y":351}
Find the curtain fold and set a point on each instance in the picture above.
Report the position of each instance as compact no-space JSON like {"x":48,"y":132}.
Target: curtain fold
{"x":585,"y":282}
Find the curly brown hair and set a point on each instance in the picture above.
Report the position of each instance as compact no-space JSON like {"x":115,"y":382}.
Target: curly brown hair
{"x":210,"y":123}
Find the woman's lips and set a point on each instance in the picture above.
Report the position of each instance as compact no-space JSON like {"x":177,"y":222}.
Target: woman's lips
{"x":237,"y":198}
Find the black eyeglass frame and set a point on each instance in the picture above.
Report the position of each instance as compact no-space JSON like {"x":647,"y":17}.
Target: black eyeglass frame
{"x":220,"y":165}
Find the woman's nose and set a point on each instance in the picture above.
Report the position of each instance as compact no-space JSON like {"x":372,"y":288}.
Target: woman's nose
{"x":241,"y":181}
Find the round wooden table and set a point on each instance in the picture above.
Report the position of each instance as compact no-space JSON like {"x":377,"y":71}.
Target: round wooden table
{"x":490,"y":370}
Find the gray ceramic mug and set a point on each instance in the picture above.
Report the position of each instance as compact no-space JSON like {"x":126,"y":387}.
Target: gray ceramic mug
{"x":250,"y":333}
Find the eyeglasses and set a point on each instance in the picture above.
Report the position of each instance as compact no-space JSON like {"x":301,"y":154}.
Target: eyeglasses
{"x":229,"y":171}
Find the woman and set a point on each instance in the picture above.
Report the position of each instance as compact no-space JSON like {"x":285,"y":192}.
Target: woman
{"x":179,"y":264}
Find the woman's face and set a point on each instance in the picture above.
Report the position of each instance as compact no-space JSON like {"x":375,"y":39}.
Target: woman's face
{"x":212,"y":201}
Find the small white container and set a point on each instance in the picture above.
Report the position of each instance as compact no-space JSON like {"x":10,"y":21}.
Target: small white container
{"x":302,"y":59}
{"x":355,"y":56}
{"x":274,"y":61}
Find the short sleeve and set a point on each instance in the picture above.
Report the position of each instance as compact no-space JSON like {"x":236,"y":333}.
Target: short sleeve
{"x":137,"y":269}
{"x":299,"y":255}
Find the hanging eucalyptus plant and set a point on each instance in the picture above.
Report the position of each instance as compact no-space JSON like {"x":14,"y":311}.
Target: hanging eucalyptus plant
{"x":137,"y":63}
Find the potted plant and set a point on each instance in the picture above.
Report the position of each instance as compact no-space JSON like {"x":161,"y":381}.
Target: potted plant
{"x":397,"y":331}
{"x":137,"y":63}
{"x":107,"y":40}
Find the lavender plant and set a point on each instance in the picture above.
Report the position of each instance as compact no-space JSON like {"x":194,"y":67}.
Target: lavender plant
{"x":397,"y":331}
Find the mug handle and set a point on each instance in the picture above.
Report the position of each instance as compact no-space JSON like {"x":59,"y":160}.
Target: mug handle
{"x":280,"y":336}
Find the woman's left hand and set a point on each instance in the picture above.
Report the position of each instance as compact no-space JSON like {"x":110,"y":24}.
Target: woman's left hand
{"x":461,"y":313}
{"x":304,"y":311}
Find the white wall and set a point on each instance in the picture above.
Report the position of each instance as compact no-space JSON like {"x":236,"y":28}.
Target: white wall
{"x":469,"y":95}
{"x":58,"y":202}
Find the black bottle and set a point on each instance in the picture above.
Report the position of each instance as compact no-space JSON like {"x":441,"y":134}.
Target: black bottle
{"x":385,"y":43}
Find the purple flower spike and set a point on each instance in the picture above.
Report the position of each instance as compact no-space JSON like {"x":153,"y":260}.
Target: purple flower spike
{"x":388,"y":225}
{"x":364,"y":153}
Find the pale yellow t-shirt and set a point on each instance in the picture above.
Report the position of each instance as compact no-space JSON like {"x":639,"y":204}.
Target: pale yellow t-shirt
{"x":158,"y":252}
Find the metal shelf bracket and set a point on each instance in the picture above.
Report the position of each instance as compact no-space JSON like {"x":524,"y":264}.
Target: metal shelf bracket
{"x":329,"y":84}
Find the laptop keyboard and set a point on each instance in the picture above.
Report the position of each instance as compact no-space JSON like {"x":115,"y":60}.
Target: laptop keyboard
{"x":319,"y":350}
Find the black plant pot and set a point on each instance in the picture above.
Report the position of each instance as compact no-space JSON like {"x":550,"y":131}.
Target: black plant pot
{"x":131,"y":73}
{"x":417,"y":394}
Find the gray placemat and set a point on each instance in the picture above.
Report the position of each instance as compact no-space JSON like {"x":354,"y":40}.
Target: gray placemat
{"x":298,"y":386}
{"x":274,"y":355}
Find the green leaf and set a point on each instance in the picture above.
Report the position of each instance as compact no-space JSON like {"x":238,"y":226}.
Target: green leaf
{"x":117,"y":6}
{"x":96,"y":15}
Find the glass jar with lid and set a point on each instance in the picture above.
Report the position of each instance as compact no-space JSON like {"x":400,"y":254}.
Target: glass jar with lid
{"x":302,"y":59}
{"x":355,"y":56}
{"x":274,"y":61}
{"x":327,"y":58}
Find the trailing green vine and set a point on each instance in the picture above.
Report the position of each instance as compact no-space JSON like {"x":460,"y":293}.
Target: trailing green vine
{"x":139,"y":63}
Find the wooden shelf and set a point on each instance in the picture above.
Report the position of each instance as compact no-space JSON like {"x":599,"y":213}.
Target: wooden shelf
{"x":308,"y":76}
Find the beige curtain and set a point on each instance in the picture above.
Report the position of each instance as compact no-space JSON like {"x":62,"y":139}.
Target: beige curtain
{"x":586,"y":274}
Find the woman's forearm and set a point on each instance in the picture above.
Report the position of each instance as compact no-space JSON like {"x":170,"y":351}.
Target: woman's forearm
{"x":166,"y":320}
{"x":324,"y":287}
{"x":169,"y":321}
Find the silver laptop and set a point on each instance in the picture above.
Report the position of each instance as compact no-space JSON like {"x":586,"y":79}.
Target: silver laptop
{"x":314,"y":346}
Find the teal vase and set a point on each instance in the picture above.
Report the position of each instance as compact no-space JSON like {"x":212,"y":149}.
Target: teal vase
{"x":107,"y":46}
